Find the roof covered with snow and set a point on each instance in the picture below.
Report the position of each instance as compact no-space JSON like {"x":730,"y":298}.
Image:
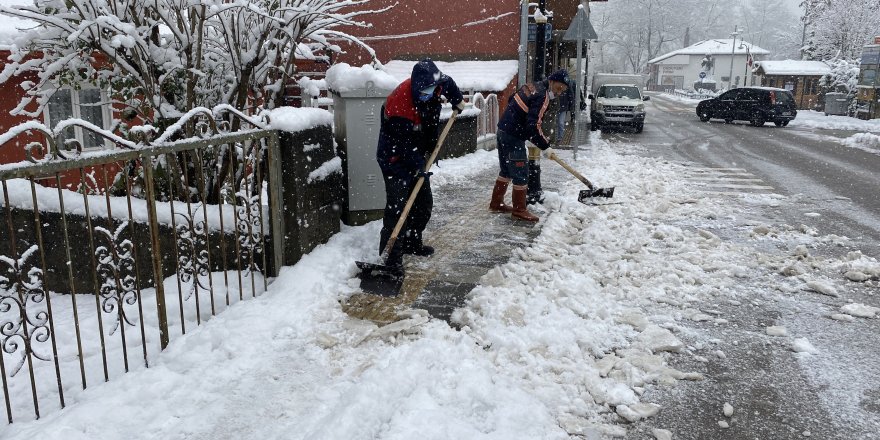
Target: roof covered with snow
{"x":489,"y":76}
{"x":793,"y":67}
{"x":715,"y":47}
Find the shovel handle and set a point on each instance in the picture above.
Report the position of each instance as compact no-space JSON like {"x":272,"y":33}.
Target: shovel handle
{"x":571,"y":170}
{"x":418,"y":186}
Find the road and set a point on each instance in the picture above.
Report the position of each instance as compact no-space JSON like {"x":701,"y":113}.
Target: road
{"x":839,"y":182}
{"x":828,"y":188}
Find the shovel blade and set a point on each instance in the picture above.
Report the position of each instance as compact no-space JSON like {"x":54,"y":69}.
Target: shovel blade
{"x":597,"y":192}
{"x":380,"y":279}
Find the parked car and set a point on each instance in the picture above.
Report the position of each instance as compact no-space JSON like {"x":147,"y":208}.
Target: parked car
{"x":757,"y":105}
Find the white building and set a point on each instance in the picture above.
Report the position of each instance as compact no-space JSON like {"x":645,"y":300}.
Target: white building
{"x":681,"y":68}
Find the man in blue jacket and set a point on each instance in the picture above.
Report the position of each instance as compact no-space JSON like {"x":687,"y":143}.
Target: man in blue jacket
{"x":521,"y":122}
{"x":408,"y":134}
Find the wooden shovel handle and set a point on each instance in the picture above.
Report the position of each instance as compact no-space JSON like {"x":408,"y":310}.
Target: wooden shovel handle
{"x":418,"y":186}
{"x":571,"y":170}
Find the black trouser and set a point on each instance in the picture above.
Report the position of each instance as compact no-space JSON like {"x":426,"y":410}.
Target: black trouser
{"x":397,"y":192}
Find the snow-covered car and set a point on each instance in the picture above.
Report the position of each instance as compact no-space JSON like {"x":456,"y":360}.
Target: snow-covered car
{"x":618,"y":104}
{"x":757,"y":105}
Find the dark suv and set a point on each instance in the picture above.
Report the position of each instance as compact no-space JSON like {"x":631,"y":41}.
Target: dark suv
{"x":754,"y":104}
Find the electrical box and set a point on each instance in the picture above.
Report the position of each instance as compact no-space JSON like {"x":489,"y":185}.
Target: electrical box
{"x":357,"y":116}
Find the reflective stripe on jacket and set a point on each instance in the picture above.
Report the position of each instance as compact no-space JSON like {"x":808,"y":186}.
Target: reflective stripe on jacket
{"x":524,"y":114}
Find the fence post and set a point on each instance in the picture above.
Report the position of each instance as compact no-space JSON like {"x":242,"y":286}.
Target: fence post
{"x":275,"y":204}
{"x":156,"y":251}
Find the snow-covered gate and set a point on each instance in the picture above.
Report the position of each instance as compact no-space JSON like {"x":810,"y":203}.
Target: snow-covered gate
{"x":105,"y":254}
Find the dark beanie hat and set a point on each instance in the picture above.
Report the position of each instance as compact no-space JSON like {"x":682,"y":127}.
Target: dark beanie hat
{"x":560,"y":75}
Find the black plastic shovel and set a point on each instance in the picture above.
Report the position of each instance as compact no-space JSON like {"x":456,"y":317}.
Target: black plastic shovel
{"x":380,"y":278}
{"x":586,"y":193}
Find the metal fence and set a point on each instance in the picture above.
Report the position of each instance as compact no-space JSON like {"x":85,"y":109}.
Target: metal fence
{"x":487,"y":122}
{"x":108,"y":254}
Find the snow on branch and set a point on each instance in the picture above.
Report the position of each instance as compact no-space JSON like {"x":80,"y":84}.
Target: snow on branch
{"x":159,"y":59}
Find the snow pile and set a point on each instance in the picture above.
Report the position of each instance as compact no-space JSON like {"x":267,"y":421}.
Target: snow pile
{"x":860,"y":310}
{"x":802,"y":345}
{"x":814,"y":119}
{"x":293,"y":119}
{"x":342,"y":78}
{"x":857,"y":267}
{"x":311,"y":86}
{"x":469,"y":112}
{"x":864,"y":141}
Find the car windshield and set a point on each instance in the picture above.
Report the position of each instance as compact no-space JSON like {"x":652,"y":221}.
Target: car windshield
{"x":627,"y":92}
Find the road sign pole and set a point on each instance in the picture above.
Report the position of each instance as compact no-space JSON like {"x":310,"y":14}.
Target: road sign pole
{"x":579,"y":84}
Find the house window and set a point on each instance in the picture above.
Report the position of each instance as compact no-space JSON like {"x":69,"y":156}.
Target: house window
{"x":86,"y":104}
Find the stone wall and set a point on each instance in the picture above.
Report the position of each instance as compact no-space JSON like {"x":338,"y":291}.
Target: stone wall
{"x":311,"y":209}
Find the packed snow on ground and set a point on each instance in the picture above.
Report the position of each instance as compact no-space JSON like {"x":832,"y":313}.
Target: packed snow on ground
{"x":560,"y":341}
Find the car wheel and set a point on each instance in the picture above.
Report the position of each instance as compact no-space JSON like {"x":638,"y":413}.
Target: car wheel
{"x":640,"y":127}
{"x":785,"y":123}
{"x":728,"y":120}
{"x":758,"y":119}
{"x":704,"y":116}
{"x":779,"y":123}
{"x":594,"y":126}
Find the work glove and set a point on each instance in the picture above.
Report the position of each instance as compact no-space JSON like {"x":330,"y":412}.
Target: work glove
{"x":548,"y":153}
{"x":458,"y":108}
{"x":423,"y":173}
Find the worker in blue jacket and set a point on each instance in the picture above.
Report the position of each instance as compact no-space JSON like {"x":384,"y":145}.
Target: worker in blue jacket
{"x":521,"y":122}
{"x":407,"y":136}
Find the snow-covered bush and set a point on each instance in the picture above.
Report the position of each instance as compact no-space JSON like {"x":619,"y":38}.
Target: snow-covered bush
{"x":844,"y":78}
{"x":162,"y":58}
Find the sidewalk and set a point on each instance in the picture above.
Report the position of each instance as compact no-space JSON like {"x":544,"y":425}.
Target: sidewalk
{"x":469,"y":241}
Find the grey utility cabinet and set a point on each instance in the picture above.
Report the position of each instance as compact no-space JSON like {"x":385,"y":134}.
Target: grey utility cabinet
{"x":357,"y":117}
{"x":836,"y":104}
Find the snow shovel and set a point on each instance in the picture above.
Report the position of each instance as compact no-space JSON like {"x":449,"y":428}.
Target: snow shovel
{"x":382,"y":279}
{"x":586,"y":193}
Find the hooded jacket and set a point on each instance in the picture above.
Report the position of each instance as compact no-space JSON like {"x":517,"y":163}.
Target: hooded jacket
{"x":410,"y":127}
{"x":525,"y":113}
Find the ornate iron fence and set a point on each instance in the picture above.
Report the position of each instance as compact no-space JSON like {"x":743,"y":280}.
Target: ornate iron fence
{"x":106,"y":254}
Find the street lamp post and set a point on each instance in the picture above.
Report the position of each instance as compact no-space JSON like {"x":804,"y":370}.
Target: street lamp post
{"x":743,"y":44}
{"x":732,"y":56}
{"x":523,"y":42}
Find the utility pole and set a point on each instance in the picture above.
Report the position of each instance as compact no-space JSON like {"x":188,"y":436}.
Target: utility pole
{"x":540,"y":40}
{"x":579,"y":83}
{"x":523,"y":43}
{"x":732,"y":56}
{"x":535,"y":194}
